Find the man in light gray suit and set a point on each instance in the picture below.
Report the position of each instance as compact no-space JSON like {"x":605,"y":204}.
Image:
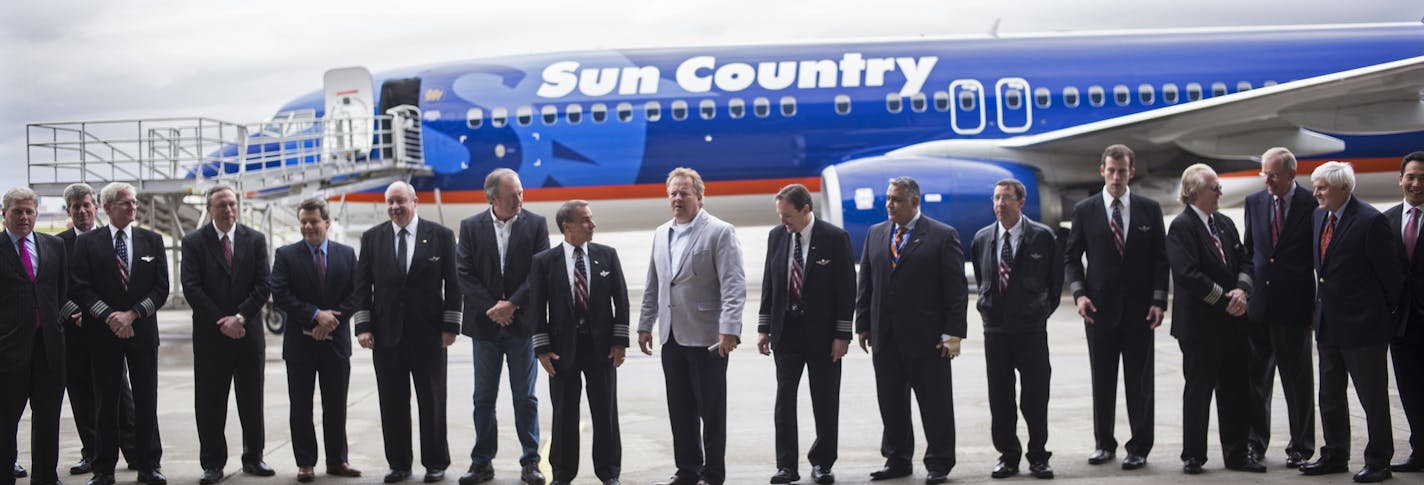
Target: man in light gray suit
{"x":696,"y":287}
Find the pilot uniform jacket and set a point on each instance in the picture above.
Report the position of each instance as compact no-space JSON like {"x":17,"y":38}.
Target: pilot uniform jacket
{"x":98,"y":291}
{"x":827,"y":291}
{"x":1360,"y":281}
{"x":1121,"y":287}
{"x":1283,"y":275}
{"x":1203,"y":280}
{"x":1035,"y":279}
{"x":422,"y":303}
{"x":481,"y":280}
{"x":922,"y":298}
{"x":295,"y":292}
{"x":551,"y":306}
{"x":214,"y":290}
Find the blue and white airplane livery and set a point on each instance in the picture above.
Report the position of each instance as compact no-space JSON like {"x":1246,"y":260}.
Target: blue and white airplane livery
{"x":957,"y":114}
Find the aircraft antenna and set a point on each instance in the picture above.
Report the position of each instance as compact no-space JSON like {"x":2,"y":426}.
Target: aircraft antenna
{"x":994,"y":28}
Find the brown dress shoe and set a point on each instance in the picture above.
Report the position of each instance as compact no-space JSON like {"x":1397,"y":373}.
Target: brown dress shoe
{"x":305,"y":474}
{"x":343,"y":470}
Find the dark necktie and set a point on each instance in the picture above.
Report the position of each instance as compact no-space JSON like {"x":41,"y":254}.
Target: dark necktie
{"x":320,"y":260}
{"x":227,"y":250}
{"x":580,"y":286}
{"x":1005,"y":267}
{"x":896,"y":246}
{"x":1411,"y":233}
{"x":797,"y":270}
{"x":1117,"y":227}
{"x":121,"y":254}
{"x":1216,"y":237}
{"x":1325,"y":236}
{"x":402,"y":251}
{"x":1277,"y":221}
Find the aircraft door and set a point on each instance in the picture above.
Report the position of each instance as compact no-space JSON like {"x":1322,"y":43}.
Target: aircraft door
{"x":347,"y":119}
{"x":1015,"y":113}
{"x":967,"y":115}
{"x":396,"y":92}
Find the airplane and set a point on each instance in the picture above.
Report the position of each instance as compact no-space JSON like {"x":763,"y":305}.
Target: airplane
{"x":955,"y":113}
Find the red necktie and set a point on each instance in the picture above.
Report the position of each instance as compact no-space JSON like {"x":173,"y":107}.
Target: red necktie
{"x":1411,"y":233}
{"x":227,"y":250}
{"x":1277,"y":221}
{"x":1325,"y":237}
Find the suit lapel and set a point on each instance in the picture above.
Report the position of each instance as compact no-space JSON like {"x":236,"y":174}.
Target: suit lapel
{"x":214,"y":244}
{"x":694,"y":234}
{"x":12,"y":256}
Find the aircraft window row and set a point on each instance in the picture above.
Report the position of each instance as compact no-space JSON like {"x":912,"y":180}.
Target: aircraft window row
{"x":652,"y":111}
{"x":1122,"y":95}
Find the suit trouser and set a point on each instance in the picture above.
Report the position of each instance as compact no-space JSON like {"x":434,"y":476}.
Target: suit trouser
{"x":41,"y":386}
{"x":1028,"y":354}
{"x":564,"y":389}
{"x":1367,"y":369}
{"x":696,"y":382}
{"x":110,"y":361}
{"x":931,"y":379}
{"x":1408,"y":354}
{"x":1213,"y":364}
{"x":1276,"y":346}
{"x":1133,"y":342}
{"x":794,"y":355}
{"x":335,"y":371}
{"x":217,"y":367}
{"x":79,"y":382}
{"x":396,"y":367}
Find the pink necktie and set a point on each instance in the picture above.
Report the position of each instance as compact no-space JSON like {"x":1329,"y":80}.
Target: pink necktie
{"x":29,"y":271}
{"x":1411,"y":233}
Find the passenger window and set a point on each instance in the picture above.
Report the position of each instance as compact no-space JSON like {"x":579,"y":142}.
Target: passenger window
{"x":653,"y":110}
{"x":1243,"y":86}
{"x":918,"y":103}
{"x":549,"y":113}
{"x":499,"y":117}
{"x":679,"y":110}
{"x":1218,"y":89}
{"x":941,"y":100}
{"x":1095,"y":96}
{"x":1194,"y":92}
{"x":524,"y":115}
{"x":1070,"y":97}
{"x":893,"y":103}
{"x":1042,"y":97}
{"x":967,"y":100}
{"x":1121,"y":95}
{"x":736,"y":108}
{"x":788,"y":106}
{"x":707,"y":109}
{"x":761,"y":107}
{"x":625,"y":112}
{"x":1169,"y":93}
{"x":1146,"y":94}
{"x":1013,"y":98}
{"x":599,"y":111}
{"x":842,"y":104}
{"x":474,"y":118}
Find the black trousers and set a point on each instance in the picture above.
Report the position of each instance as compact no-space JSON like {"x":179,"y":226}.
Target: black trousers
{"x":1027,"y":353}
{"x":696,"y":382}
{"x":932,"y":381}
{"x":1367,"y":369}
{"x":1287,"y":348}
{"x":219,"y":366}
{"x":1132,"y":342}
{"x":109,"y":363}
{"x":396,"y":368}
{"x":322,"y":360}
{"x":41,"y":386}
{"x":564,"y":390}
{"x":1214,"y":365}
{"x":1408,"y":353}
{"x":79,"y":382}
{"x":798,"y":353}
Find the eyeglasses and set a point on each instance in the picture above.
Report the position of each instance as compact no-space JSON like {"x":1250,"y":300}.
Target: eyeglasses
{"x":124,"y":203}
{"x":1215,"y":188}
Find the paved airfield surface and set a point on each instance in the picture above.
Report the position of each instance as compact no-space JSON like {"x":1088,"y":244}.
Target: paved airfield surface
{"x":647,"y":446}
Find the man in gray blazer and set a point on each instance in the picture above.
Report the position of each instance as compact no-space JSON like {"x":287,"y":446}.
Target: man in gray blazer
{"x":696,"y":287}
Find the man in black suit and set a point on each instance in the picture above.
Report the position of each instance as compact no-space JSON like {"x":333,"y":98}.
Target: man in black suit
{"x":311,"y":283}
{"x":807,"y":302}
{"x":910,"y":308}
{"x":224,"y":274}
{"x":496,"y":248}
{"x":1213,"y":280}
{"x":407,"y":305}
{"x":1360,"y":278}
{"x":120,"y":280}
{"x":578,"y":307}
{"x":79,"y":202}
{"x":1121,"y":295}
{"x":1020,"y":278}
{"x":34,"y":279}
{"x":1278,"y":244}
{"x":1407,"y":347}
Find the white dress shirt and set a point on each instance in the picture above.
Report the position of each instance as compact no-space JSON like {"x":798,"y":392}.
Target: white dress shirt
{"x":410,"y":240}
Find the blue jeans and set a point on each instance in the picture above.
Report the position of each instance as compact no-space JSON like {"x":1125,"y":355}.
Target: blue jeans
{"x":518,"y":352}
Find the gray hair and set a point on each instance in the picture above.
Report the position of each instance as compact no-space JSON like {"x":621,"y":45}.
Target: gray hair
{"x":1287,"y":158}
{"x":19,"y":194}
{"x":494,"y":178}
{"x":1193,"y":179}
{"x":907,"y":184}
{"x":1340,"y":175}
{"x":566,"y":212}
{"x":208,"y":196}
{"x":316,"y":204}
{"x":403,"y":185}
{"x":74,"y":192}
{"x":111,"y":191}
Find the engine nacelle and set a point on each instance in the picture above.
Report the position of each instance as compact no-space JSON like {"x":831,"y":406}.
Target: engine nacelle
{"x":958,"y":192}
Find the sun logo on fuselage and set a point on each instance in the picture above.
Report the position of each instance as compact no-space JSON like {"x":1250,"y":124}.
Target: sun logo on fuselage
{"x":434,"y":94}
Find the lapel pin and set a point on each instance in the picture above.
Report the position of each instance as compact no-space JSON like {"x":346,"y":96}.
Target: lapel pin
{"x":823,"y":262}
{"x":603,"y":273}
{"x":147,"y":259}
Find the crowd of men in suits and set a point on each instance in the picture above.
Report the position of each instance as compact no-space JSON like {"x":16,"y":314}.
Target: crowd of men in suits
{"x":80,"y":309}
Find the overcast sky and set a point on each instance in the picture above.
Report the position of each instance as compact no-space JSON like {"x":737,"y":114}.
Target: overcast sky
{"x":66,"y":60}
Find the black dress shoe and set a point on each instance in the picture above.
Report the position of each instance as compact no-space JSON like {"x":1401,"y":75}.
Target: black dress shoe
{"x":211,"y":476}
{"x":1004,"y":470}
{"x":531,"y":475}
{"x":611,"y":481}
{"x":394,"y":476}
{"x":1372,"y":474}
{"x":306,"y":474}
{"x":1192,"y":466}
{"x":891,"y":471}
{"x":1294,"y":459}
{"x":935,"y":477}
{"x":1413,"y":465}
{"x":102,"y":479}
{"x":678,"y":480}
{"x":1101,"y":456}
{"x":1040,"y":470}
{"x":1247,"y":465}
{"x":152,"y":477}
{"x":82,"y":467}
{"x":822,"y":475}
{"x":477,"y":474}
{"x":559,"y":482}
{"x":20,"y":471}
{"x":258,"y":469}
{"x":785,"y":475}
{"x":1133,"y":462}
{"x":433,"y":475}
{"x":1324,"y":467}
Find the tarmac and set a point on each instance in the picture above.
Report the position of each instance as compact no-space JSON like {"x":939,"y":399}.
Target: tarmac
{"x":647,"y":445}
